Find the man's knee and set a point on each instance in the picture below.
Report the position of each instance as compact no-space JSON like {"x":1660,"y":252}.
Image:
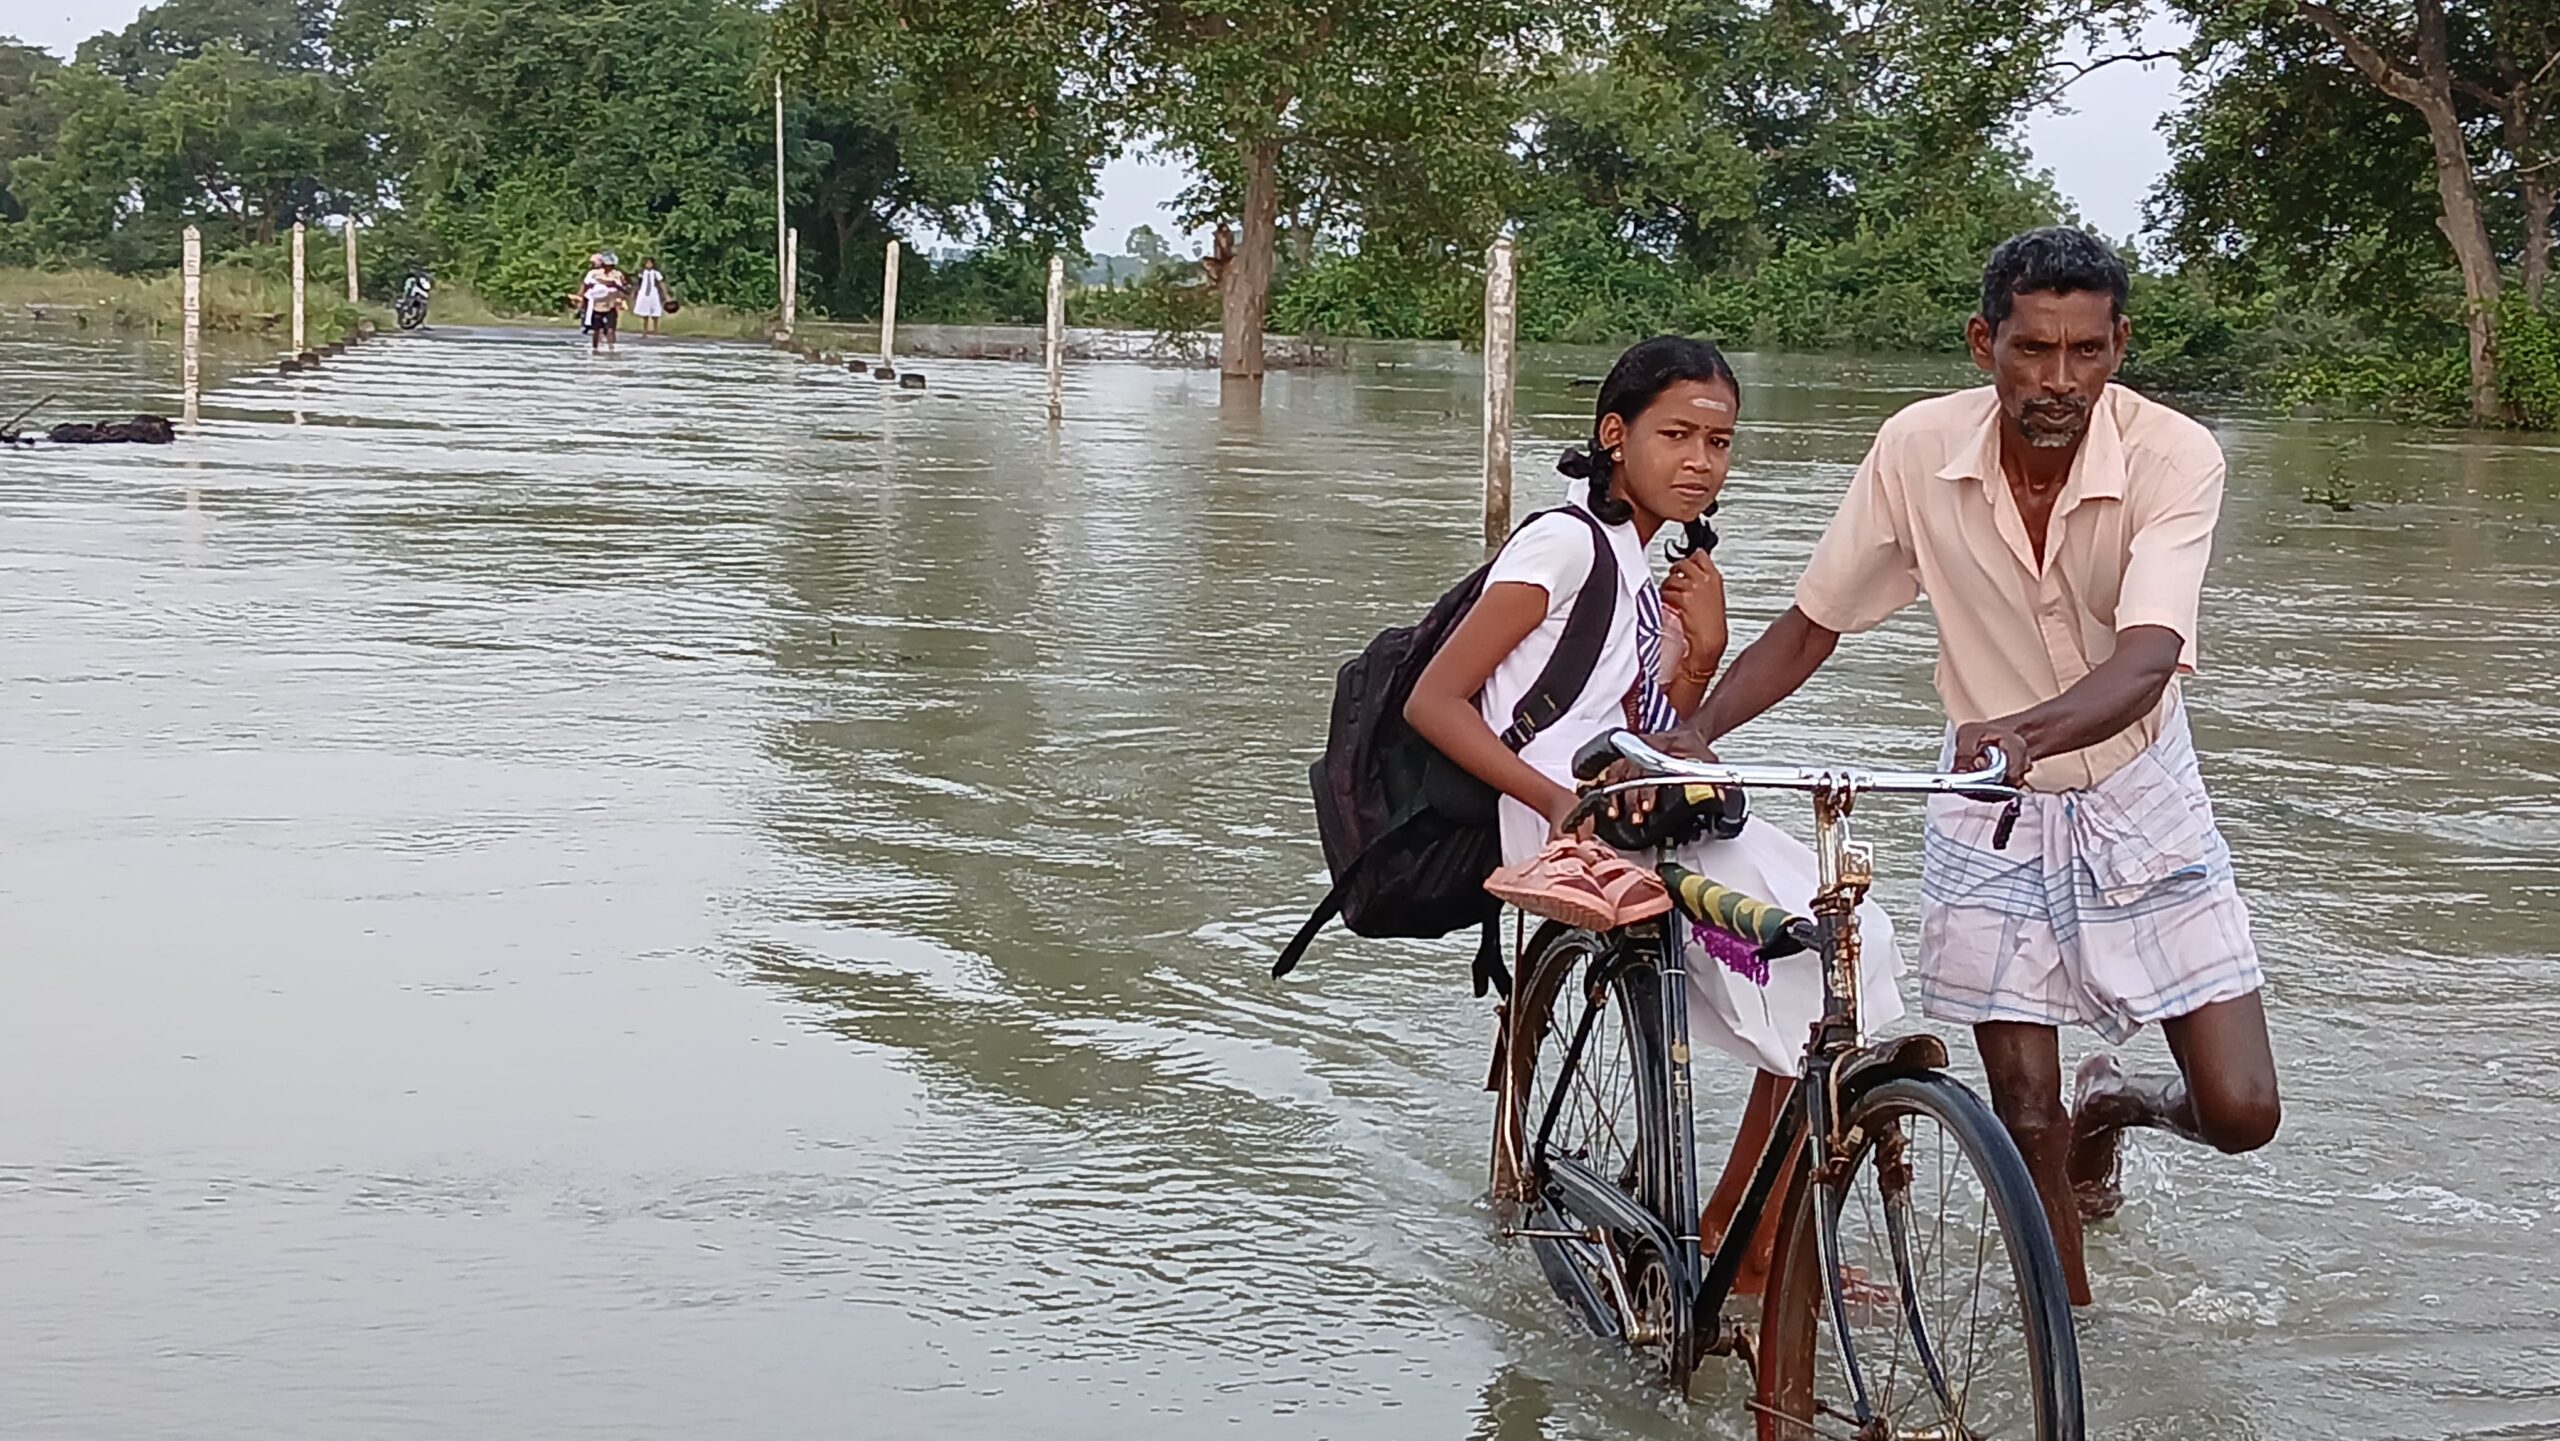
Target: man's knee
{"x":2236,"y":1114}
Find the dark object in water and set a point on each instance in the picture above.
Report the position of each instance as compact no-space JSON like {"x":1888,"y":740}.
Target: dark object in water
{"x":309,"y":357}
{"x":856,"y":366}
{"x":288,"y":366}
{"x":884,"y":372}
{"x":141,"y":430}
{"x":912,"y":380}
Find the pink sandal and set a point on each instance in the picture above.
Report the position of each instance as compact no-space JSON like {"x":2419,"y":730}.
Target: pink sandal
{"x":1556,"y":884}
{"x":1583,"y":884}
{"x":1635,"y":893}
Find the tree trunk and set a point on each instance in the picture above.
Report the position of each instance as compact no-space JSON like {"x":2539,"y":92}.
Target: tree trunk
{"x":2521,"y":118}
{"x":2464,"y":225}
{"x":1246,"y":285}
{"x":2429,"y":91}
{"x":2538,"y":203}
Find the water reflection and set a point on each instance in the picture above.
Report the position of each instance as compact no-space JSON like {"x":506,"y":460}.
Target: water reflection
{"x":757,"y":906}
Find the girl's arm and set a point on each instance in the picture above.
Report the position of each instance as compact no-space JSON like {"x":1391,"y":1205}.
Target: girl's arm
{"x":1693,"y":596}
{"x":1442,"y":708}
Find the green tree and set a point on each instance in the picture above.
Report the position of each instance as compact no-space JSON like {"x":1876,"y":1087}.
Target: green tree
{"x":528,"y":132}
{"x":965,"y":123}
{"x":30,"y":122}
{"x":2404,"y":116}
{"x":208,"y":112}
{"x":1390,"y":119}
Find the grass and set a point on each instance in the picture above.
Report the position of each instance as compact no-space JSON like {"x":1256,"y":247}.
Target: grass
{"x":235,"y":299}
{"x":249,"y":302}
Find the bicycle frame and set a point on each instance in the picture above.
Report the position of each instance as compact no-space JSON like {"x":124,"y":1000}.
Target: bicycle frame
{"x":1845,"y":870}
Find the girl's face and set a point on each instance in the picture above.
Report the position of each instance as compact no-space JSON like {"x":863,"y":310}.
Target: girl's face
{"x":1670,"y":461}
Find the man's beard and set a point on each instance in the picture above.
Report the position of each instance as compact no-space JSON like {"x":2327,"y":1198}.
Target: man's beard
{"x":2053,"y":425}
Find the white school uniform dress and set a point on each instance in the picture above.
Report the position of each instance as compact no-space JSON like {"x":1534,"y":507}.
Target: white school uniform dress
{"x":651,"y":302}
{"x":1764,"y":1024}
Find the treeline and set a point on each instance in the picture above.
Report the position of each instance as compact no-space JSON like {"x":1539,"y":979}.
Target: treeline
{"x":2360,"y":207}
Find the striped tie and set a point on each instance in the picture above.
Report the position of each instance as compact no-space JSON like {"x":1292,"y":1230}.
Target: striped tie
{"x":1648,"y":706}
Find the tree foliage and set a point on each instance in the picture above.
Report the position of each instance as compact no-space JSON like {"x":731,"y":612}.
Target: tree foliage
{"x":2391,"y":163}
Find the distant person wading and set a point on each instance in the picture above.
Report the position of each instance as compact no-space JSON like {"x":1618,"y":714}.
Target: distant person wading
{"x":600,"y":299}
{"x":652,"y":298}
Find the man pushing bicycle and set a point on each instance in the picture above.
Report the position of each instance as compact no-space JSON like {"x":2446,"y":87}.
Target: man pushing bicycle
{"x":2059,"y":526}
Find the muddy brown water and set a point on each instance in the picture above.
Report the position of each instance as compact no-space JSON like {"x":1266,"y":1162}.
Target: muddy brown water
{"x":695,"y":895}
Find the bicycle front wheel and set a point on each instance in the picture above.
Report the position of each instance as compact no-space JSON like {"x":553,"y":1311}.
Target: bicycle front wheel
{"x":1916,"y":1293}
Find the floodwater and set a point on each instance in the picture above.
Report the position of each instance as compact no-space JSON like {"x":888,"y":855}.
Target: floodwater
{"x":696,"y":895}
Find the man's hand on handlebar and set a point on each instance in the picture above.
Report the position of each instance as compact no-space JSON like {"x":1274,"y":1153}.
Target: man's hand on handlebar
{"x":1975,"y":738}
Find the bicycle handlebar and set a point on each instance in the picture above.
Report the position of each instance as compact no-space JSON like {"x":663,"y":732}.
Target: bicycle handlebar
{"x":1986,"y":784}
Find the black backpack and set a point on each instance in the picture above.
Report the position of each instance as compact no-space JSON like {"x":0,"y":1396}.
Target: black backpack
{"x":1408,"y":834}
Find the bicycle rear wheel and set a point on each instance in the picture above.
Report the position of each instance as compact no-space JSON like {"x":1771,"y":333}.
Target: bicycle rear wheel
{"x":1916,"y":1294}
{"x":1581,"y":1143}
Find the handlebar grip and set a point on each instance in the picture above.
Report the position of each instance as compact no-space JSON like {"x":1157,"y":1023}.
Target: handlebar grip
{"x":1993,"y":759}
{"x":1596,"y":755}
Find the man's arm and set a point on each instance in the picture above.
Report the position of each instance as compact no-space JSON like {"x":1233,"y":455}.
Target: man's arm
{"x":1771,"y":669}
{"x":2107,"y":701}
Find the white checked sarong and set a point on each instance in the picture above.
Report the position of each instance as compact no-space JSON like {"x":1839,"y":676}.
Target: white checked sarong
{"x":2112,"y":907}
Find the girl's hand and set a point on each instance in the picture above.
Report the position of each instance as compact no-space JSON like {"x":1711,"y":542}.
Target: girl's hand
{"x":1694,"y":594}
{"x":1557,"y":808}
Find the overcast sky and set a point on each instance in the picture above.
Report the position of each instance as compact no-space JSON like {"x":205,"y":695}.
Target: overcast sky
{"x":2104,"y":156}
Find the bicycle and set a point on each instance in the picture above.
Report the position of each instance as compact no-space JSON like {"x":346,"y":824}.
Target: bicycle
{"x":1595,"y":1163}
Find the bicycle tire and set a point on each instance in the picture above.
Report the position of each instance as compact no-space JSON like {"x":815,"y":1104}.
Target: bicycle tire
{"x":1641,"y":1246}
{"x":1799,"y":1320}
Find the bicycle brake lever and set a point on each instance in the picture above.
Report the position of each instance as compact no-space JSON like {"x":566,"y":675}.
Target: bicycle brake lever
{"x":2008,"y":824}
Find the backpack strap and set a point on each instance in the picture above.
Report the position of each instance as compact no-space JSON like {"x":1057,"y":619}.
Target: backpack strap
{"x":1491,"y":973}
{"x":1577,"y":654}
{"x":1326,"y":910}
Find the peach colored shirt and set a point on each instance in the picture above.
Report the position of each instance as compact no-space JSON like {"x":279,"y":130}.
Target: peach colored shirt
{"x":1930,"y":514}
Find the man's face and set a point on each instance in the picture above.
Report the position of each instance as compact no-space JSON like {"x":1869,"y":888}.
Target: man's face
{"x":2051,"y":360}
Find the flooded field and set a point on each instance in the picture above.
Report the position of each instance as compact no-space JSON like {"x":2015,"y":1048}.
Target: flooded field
{"x":690,"y":894}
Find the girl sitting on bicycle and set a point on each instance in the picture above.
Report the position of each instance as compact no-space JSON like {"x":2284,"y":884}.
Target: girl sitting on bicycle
{"x":1660,"y":446}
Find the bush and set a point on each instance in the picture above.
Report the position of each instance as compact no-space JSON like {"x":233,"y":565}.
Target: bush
{"x":2529,"y":364}
{"x":1172,"y":302}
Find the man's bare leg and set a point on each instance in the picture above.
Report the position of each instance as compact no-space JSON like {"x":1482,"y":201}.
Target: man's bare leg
{"x":2024,"y":1065}
{"x":2224,"y":1094}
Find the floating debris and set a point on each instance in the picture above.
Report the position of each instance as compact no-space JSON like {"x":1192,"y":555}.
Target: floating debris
{"x":141,"y":430}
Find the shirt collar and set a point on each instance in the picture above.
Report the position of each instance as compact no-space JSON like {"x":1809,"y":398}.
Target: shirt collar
{"x":2097,"y":472}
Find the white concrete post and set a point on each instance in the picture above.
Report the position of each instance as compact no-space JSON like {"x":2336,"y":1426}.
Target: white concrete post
{"x":1057,"y":336}
{"x":192,"y":297}
{"x":889,"y":308}
{"x":297,"y":288}
{"x":791,"y":280}
{"x":354,"y":295}
{"x":1501,"y":319}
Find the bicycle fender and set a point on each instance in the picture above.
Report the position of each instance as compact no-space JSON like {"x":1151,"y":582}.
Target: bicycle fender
{"x":1579,"y":1194}
{"x":1901,"y":1056}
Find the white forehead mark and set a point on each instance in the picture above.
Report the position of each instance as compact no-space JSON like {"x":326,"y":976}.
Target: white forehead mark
{"x":1709,"y":402}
